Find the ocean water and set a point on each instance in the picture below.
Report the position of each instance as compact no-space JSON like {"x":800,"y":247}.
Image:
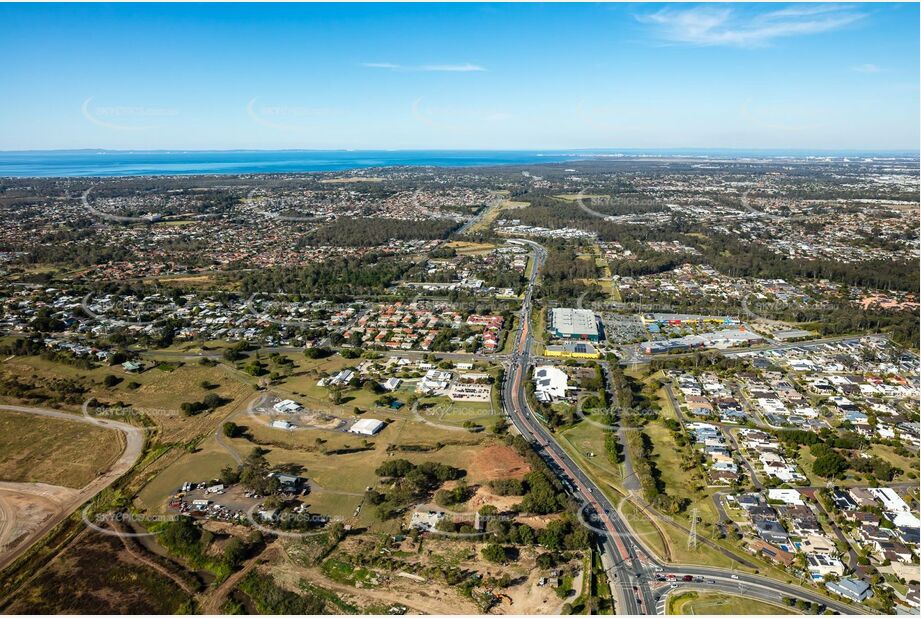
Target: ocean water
{"x":46,"y":163}
{"x":144,"y":163}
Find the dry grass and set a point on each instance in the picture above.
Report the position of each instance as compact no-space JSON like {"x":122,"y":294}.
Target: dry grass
{"x":715,"y":603}
{"x":54,"y":451}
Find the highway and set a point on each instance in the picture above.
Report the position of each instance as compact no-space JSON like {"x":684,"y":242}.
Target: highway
{"x":494,"y":202}
{"x":632,"y":568}
{"x":625,"y":566}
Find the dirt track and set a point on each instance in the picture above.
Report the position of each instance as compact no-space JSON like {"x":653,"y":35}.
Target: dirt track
{"x":21,"y":527}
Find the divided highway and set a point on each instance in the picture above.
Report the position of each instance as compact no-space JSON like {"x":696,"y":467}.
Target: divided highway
{"x":631,"y":567}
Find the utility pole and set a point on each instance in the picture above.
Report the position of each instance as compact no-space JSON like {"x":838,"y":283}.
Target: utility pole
{"x":692,"y":537}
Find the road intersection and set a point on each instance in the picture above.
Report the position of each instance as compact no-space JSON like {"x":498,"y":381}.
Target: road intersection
{"x":632,"y":568}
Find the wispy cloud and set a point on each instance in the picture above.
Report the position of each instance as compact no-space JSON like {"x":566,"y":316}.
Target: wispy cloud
{"x":721,"y":25}
{"x":867,"y":68}
{"x":426,"y":68}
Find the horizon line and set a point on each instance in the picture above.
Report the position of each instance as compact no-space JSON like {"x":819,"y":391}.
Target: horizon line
{"x":581,"y":149}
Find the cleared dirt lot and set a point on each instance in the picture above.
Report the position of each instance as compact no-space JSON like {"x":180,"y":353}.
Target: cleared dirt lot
{"x":25,"y":507}
{"x":497,"y":461}
{"x":129,"y":438}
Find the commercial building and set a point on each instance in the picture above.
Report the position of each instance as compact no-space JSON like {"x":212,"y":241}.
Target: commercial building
{"x":340,"y":379}
{"x":573,"y":324}
{"x":571,"y":349}
{"x":792,"y":334}
{"x":434,"y":381}
{"x":721,"y":339}
{"x":550,"y":383}
{"x":683,"y":319}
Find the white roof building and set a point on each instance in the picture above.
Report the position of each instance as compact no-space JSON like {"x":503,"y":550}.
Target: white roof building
{"x":787,"y":496}
{"x":343,"y":377}
{"x":367,"y":427}
{"x":574,"y":323}
{"x":550,"y":383}
{"x":892,"y":502}
{"x":287,"y":405}
{"x":434,"y":381}
{"x":425,"y":520}
{"x":822,"y":565}
{"x":906,"y":520}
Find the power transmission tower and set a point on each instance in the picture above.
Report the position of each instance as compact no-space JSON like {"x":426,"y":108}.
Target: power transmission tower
{"x":692,"y":537}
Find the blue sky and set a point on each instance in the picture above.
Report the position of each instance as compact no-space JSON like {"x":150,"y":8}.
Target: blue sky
{"x":490,"y":76}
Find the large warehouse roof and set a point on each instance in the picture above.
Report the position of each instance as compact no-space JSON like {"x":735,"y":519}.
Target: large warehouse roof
{"x":574,"y":322}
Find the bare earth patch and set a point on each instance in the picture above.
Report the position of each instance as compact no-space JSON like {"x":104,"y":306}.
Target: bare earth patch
{"x":24,"y":507}
{"x":498,"y":461}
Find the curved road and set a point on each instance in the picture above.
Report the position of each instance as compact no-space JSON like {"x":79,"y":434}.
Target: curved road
{"x":134,"y":446}
{"x":631,"y":565}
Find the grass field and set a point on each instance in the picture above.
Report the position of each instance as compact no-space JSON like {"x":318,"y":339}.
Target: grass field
{"x":202,"y":465}
{"x":643,"y":528}
{"x":678,"y":481}
{"x":155,"y":393}
{"x":493,"y":213}
{"x":509,"y":343}
{"x":302,"y":385}
{"x":572,"y":197}
{"x":851,"y":479}
{"x":443,"y":411}
{"x":601,"y":262}
{"x":585,"y":438}
{"x":54,"y":451}
{"x":341,"y":464}
{"x":470,"y":248}
{"x":538,"y":330}
{"x":692,"y":603}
